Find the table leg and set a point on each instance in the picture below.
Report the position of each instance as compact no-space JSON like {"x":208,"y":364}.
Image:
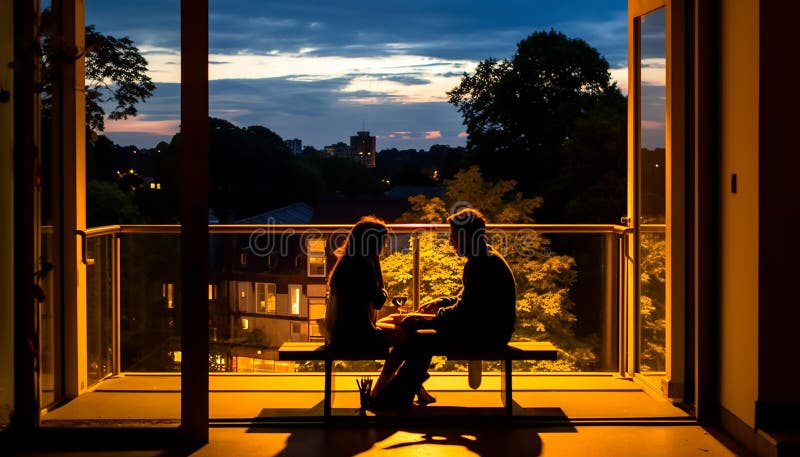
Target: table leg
{"x":506,"y":389}
{"x":327,"y":401}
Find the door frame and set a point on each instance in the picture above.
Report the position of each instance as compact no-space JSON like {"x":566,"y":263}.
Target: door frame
{"x":672,"y":384}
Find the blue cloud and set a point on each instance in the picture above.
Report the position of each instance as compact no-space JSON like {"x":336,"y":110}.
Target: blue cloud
{"x":473,"y":30}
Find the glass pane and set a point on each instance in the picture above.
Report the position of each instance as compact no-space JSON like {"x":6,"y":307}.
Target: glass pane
{"x":150,"y":304}
{"x":296,"y":299}
{"x":99,"y":308}
{"x":316,"y":266}
{"x":261,"y":297}
{"x":47,"y":324}
{"x":272,"y":298}
{"x":652,"y":193}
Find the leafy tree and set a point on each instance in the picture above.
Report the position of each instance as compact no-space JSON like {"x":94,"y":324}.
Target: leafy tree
{"x":652,"y":303}
{"x":524,"y":115}
{"x":544,"y":308}
{"x":339,"y":175}
{"x":110,"y":205}
{"x":116,"y":73}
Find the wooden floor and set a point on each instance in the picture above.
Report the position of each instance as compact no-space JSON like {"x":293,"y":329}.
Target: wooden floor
{"x":155,"y":399}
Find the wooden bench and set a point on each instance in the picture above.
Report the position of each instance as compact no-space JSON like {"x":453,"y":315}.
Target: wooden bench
{"x":514,"y":351}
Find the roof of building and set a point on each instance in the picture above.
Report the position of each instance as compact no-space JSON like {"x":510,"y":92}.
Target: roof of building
{"x":296,"y":213}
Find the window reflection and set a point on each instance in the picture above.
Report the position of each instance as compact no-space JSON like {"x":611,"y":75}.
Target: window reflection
{"x":652,"y":192}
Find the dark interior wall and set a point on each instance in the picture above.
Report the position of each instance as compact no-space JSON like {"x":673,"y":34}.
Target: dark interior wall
{"x":779,"y":206}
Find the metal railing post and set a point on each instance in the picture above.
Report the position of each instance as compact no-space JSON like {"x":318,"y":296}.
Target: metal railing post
{"x":610,"y":302}
{"x":116,"y":345}
{"x":415,"y":281}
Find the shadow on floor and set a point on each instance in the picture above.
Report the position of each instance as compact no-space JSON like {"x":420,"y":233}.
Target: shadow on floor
{"x":338,"y":440}
{"x":483,"y":431}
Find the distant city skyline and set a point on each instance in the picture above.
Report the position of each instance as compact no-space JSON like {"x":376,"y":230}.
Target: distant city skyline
{"x":320,"y":71}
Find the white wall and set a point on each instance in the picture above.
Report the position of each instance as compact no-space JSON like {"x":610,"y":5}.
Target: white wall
{"x":739,"y":91}
{"x":6,"y":214}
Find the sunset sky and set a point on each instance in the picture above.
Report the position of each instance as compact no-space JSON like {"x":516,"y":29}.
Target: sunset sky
{"x":317,"y":70}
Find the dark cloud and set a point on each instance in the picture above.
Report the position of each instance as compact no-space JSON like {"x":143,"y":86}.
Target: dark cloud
{"x":654,"y":41}
{"x":469,"y":30}
{"x":318,"y":111}
{"x":407,"y":79}
{"x":450,"y":74}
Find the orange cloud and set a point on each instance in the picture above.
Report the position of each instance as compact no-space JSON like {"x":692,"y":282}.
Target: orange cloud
{"x":433,"y":134}
{"x":652,"y":125}
{"x":165,"y":127}
{"x":462,"y":134}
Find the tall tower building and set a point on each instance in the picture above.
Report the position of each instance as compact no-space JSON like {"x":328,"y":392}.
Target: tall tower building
{"x":295,"y":145}
{"x":363,"y":146}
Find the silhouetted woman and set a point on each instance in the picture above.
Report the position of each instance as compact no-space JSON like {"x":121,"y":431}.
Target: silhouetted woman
{"x":356,"y":288}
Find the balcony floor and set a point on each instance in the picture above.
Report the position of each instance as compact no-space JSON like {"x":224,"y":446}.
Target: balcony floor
{"x":601,"y":414}
{"x":142,"y":399}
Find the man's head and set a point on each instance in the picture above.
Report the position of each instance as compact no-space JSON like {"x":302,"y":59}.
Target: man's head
{"x":468,"y":232}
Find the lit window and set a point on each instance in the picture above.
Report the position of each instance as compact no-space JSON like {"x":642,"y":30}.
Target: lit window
{"x":317,"y":262}
{"x":158,"y":186}
{"x":317,"y":266}
{"x":212,"y":291}
{"x":244,"y":304}
{"x":152,"y":185}
{"x":245,"y":323}
{"x":295,"y":294}
{"x":168,"y":292}
{"x":266,"y":298}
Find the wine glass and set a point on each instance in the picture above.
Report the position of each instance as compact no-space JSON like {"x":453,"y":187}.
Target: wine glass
{"x":400,"y":302}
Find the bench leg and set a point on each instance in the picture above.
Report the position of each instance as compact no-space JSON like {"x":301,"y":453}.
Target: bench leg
{"x":506,"y":389}
{"x":327,"y":400}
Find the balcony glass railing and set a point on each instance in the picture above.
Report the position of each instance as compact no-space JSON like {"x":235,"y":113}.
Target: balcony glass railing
{"x":268,"y":287}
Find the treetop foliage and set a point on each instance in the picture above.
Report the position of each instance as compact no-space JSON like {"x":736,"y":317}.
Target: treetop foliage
{"x":116,"y":72}
{"x":522,"y":114}
{"x":498,"y":200}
